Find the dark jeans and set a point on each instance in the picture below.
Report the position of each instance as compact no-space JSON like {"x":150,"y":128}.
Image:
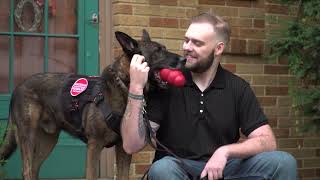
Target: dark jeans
{"x":275,"y":165}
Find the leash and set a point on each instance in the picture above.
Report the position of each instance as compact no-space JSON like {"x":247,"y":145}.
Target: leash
{"x":151,"y":135}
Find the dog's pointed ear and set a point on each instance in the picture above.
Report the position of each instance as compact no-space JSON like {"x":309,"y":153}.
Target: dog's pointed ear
{"x":145,"y":36}
{"x":128,"y":44}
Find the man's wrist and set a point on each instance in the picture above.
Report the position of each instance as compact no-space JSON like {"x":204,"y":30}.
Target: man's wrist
{"x":225,"y":150}
{"x":136,"y":96}
{"x":136,"y":90}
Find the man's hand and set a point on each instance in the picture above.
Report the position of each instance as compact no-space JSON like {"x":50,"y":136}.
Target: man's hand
{"x":216,"y":164}
{"x":138,"y":73}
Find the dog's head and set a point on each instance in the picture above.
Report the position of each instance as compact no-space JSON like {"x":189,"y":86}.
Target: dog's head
{"x":156,"y":55}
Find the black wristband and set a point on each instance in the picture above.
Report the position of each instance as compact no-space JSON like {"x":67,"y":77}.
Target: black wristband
{"x":135,"y":96}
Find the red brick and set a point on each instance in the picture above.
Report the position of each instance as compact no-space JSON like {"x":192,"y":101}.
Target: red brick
{"x":230,"y":67}
{"x":141,"y":168}
{"x":258,"y":4}
{"x":299,"y":163}
{"x":258,"y":90}
{"x":142,"y":157}
{"x":258,"y":23}
{"x":238,"y":46}
{"x":314,"y":162}
{"x":122,"y":9}
{"x":318,"y":172}
{"x":239,"y":22}
{"x":255,"y":47}
{"x":283,"y":61}
{"x":163,"y":2}
{"x":276,"y":69}
{"x":164,"y":22}
{"x":273,"y":122}
{"x":276,"y":9}
{"x":267,"y":101}
{"x":148,"y":148}
{"x":252,"y":33}
{"x":281,"y":133}
{"x":239,"y":3}
{"x":235,"y":32}
{"x":210,"y":2}
{"x":290,"y":143}
{"x":184,"y":23}
{"x":276,"y":91}
{"x":300,"y":152}
{"x":285,"y":122}
{"x":306,"y":173}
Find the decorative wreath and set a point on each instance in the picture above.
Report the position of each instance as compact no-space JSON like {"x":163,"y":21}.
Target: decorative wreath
{"x":37,"y":15}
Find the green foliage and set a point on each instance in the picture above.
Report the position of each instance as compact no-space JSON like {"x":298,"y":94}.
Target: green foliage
{"x":299,"y":42}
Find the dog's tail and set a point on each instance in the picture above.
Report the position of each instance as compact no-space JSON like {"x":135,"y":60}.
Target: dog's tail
{"x":8,"y":144}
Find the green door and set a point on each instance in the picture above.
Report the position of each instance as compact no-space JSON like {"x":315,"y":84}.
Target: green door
{"x":47,"y":36}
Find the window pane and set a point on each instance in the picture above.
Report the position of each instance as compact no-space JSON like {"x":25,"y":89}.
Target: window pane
{"x":63,"y":17}
{"x":4,"y":64}
{"x":28,"y":57}
{"x":62,"y":55}
{"x":4,"y":15}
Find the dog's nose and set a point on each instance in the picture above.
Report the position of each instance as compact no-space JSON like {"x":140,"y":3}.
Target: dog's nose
{"x":182,"y":60}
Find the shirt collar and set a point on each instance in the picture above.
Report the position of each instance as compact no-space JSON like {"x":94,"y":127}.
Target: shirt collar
{"x":219,"y":80}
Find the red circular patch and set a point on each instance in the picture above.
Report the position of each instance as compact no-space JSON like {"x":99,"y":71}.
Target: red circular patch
{"x":79,"y":86}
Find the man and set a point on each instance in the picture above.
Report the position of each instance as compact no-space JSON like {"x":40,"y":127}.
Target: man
{"x":200,"y":122}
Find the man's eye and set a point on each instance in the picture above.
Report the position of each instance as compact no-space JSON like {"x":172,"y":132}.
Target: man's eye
{"x":197,"y":43}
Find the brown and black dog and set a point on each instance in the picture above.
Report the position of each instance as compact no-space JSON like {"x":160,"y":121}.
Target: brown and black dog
{"x":38,"y":113}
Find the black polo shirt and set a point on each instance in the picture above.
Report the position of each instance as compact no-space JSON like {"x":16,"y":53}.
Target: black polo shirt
{"x":193,"y":124}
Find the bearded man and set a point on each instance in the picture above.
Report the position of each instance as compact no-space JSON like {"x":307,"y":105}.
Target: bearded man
{"x":201,"y":122}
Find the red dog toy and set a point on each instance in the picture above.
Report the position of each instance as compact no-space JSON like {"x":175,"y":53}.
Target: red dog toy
{"x":173,"y":77}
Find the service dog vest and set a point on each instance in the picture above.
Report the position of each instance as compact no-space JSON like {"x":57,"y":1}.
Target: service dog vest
{"x":78,"y":91}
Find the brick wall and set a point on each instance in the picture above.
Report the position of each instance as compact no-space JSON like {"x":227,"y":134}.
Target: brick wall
{"x":252,"y":21}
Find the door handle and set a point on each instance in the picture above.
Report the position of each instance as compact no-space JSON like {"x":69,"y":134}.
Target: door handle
{"x":94,"y":18}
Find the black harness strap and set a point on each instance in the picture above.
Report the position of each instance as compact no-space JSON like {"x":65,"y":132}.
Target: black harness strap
{"x":73,"y":106}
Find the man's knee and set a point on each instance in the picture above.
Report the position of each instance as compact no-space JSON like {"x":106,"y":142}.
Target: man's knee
{"x":166,"y":167}
{"x":282,"y":163}
{"x":161,"y":166}
{"x":281,"y":159}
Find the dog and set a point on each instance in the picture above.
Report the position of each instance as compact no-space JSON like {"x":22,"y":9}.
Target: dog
{"x":38,"y":111}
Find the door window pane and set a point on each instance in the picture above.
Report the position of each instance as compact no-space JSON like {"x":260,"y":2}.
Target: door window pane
{"x":4,"y":64}
{"x":28,"y":57}
{"x":4,"y":15}
{"x":62,"y":55}
{"x":63,"y":17}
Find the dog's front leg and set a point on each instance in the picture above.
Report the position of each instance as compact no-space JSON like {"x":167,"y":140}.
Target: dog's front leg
{"x":123,"y":163}
{"x":93,"y":154}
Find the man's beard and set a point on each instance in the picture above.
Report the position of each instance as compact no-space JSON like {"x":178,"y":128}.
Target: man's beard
{"x":201,"y":65}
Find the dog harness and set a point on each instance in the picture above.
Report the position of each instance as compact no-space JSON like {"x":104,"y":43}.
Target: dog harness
{"x":78,"y":91}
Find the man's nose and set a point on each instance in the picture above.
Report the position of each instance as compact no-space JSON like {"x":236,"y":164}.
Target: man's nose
{"x":187,"y":46}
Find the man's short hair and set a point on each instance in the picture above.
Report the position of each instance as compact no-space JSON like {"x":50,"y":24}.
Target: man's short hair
{"x":220,"y":26}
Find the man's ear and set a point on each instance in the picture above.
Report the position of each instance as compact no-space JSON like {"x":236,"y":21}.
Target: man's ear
{"x":128,"y":44}
{"x":219,"y":48}
{"x":145,"y":36}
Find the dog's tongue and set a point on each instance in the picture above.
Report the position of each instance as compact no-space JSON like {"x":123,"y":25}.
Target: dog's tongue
{"x":173,"y":77}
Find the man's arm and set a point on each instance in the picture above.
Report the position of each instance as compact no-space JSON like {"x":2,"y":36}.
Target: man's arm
{"x":133,"y":131}
{"x":260,"y":140}
{"x":132,"y":127}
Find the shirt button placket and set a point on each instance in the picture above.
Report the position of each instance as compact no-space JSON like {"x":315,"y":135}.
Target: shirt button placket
{"x":201,"y":104}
